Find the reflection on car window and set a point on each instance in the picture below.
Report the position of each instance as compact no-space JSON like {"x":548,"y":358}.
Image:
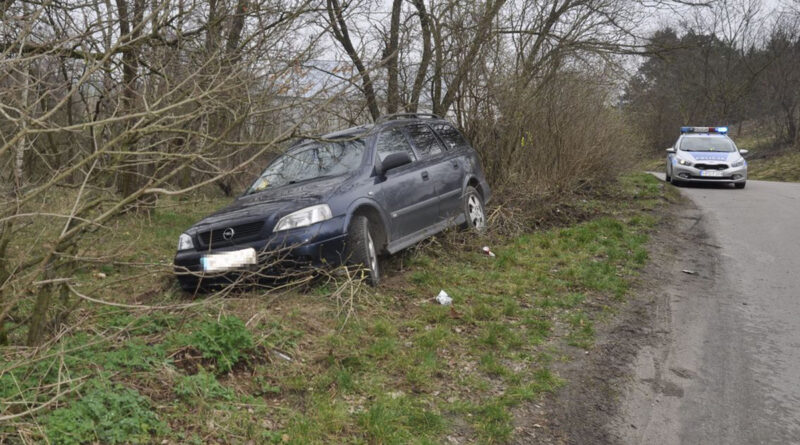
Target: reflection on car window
{"x":425,"y":140}
{"x":706,"y":143}
{"x":452,"y":138}
{"x":310,"y":161}
{"x":393,"y":141}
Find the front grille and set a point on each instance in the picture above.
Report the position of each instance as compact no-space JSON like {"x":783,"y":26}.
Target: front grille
{"x":712,"y":178}
{"x":241,"y":232}
{"x":711,"y":166}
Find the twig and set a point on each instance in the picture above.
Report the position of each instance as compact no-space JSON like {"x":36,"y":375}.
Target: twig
{"x":135,"y":306}
{"x":45,"y":404}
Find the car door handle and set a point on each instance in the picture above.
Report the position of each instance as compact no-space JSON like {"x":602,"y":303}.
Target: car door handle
{"x":424,"y":176}
{"x":455,"y":165}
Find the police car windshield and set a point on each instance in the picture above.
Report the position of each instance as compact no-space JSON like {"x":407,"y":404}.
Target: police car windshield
{"x":311,"y":161}
{"x":707,"y":143}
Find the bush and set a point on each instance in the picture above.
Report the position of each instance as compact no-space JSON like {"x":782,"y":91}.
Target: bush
{"x":225,"y":342}
{"x":107,"y":413}
{"x":555,"y":137}
{"x":202,"y":385}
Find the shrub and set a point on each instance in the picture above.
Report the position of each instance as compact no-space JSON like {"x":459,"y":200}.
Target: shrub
{"x":225,"y":342}
{"x":202,"y":385}
{"x":107,"y":413}
{"x":555,"y":137}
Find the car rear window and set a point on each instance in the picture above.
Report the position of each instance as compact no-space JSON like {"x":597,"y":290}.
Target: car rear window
{"x":451,"y":137}
{"x":425,"y":140}
{"x":393,"y":141}
{"x":707,"y":143}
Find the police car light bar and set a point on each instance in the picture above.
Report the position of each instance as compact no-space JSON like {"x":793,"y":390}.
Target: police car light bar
{"x":720,"y":130}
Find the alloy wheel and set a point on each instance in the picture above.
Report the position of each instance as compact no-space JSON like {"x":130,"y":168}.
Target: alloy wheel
{"x":475,"y":212}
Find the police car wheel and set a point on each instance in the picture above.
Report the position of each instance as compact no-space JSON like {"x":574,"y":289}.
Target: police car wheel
{"x":669,"y":178}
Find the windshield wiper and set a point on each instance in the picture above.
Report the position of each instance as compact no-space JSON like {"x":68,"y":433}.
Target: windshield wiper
{"x":311,"y":179}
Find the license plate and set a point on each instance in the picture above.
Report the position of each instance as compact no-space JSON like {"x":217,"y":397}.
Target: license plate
{"x":228,"y":260}
{"x":711,"y":173}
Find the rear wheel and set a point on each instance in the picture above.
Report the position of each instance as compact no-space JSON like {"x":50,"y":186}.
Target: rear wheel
{"x":361,"y":249}
{"x":669,"y":178}
{"x":474,"y":210}
{"x":740,"y":185}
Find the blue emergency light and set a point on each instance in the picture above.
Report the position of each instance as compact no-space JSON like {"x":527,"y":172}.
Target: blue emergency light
{"x":720,"y":130}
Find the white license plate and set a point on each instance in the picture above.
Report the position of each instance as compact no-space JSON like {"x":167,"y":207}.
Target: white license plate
{"x":228,"y":260}
{"x":711,"y":173}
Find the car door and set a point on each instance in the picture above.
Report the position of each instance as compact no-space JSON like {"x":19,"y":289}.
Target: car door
{"x":444,"y":168}
{"x":407,"y":192}
{"x":457,"y":148}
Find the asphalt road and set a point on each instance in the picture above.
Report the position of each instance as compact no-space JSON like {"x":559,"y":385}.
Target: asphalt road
{"x":726,"y":366}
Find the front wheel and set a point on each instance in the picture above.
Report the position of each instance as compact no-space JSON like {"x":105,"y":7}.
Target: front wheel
{"x":474,"y":210}
{"x":361,"y":249}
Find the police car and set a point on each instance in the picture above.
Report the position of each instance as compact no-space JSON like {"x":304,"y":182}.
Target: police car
{"x":706,"y":155}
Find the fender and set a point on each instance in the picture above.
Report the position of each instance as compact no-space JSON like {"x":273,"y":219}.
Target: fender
{"x":370,"y":203}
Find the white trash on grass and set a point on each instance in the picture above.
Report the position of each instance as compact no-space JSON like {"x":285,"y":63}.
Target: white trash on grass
{"x":488,"y":251}
{"x":444,"y":299}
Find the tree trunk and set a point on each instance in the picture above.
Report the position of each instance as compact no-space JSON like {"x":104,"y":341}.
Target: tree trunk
{"x":482,"y":35}
{"x":422,"y":71}
{"x":342,"y":35}
{"x":19,"y":158}
{"x":391,"y":56}
{"x":129,"y":31}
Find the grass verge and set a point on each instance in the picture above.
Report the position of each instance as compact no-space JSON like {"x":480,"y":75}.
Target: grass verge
{"x":380,"y":366}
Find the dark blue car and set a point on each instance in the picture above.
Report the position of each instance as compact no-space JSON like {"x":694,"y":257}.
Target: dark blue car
{"x":344,"y":198}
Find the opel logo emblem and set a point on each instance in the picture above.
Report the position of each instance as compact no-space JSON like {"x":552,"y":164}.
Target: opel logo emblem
{"x":228,"y":233}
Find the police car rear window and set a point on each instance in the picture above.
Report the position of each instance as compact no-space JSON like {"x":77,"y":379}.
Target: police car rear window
{"x":706,"y":143}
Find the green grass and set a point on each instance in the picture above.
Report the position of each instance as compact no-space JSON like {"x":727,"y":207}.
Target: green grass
{"x":287,"y":368}
{"x":785,"y":167}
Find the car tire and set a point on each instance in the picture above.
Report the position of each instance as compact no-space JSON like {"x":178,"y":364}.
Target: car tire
{"x":676,"y":182}
{"x":740,"y":185}
{"x":189,"y":286}
{"x":474,"y":211}
{"x":361,"y":250}
{"x":669,"y":178}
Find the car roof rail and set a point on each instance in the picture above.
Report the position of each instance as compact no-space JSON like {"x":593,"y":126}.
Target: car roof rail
{"x":389,"y":117}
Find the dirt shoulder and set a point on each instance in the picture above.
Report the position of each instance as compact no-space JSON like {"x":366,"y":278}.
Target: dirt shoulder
{"x":587,"y":408}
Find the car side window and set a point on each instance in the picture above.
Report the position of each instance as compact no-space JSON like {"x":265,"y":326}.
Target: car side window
{"x":425,"y":140}
{"x":451,"y":137}
{"x":393,"y":141}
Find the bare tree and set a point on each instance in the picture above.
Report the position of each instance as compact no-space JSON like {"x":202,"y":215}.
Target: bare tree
{"x":147,"y":110}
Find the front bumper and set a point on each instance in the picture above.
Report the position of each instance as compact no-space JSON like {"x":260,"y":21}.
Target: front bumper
{"x":731,"y":175}
{"x":313,"y":246}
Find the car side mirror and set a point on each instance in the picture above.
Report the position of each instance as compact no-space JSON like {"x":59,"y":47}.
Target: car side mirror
{"x":395,"y":160}
{"x":671,"y":150}
{"x":744,"y":152}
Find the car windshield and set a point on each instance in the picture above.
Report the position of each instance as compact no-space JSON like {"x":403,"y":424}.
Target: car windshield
{"x":707,"y":143}
{"x":311,"y":161}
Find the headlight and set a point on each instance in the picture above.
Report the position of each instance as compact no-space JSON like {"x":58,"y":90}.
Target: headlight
{"x":684,"y":162}
{"x":738,"y":163}
{"x":185,"y":242}
{"x":304,"y":217}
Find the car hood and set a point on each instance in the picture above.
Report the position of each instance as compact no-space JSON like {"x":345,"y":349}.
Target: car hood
{"x":699,"y":156}
{"x":272,"y":204}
